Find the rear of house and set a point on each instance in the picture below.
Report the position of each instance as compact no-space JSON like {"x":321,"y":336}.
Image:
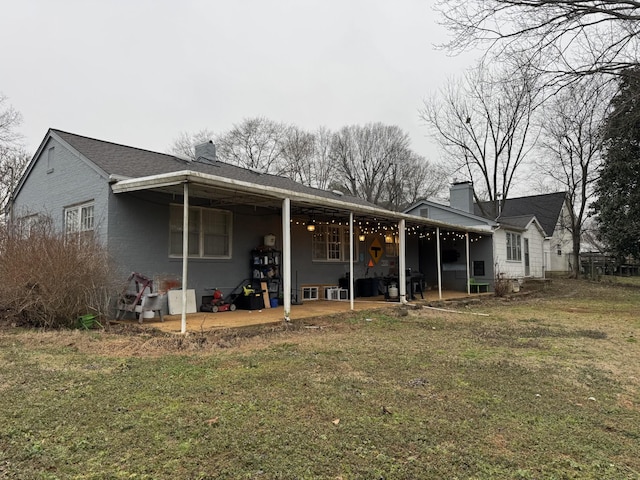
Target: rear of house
{"x":134,"y":200}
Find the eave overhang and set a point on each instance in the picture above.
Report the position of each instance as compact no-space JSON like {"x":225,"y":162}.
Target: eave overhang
{"x":257,"y":194}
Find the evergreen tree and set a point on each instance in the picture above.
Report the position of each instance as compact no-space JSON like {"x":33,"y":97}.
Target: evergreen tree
{"x":618,"y":204}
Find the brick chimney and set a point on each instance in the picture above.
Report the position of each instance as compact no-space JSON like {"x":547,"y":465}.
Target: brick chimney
{"x":205,"y":152}
{"x":461,"y":196}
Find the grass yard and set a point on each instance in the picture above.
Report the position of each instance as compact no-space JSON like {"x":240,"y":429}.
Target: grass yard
{"x":544,"y":385}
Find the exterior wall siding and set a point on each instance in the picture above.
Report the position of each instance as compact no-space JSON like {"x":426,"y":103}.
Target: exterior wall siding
{"x":139,"y":240}
{"x":504,"y":267}
{"x":536,"y":252}
{"x":310,"y":272}
{"x":561,"y":236}
{"x":516,"y":269}
{"x":447,"y":216}
{"x":67,"y":181}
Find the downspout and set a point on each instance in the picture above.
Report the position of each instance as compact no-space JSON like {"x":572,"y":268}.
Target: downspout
{"x":286,"y":260}
{"x":402,"y":274}
{"x":185,"y":254}
{"x":439,"y":263}
{"x":466,"y":236}
{"x":351,"y":242}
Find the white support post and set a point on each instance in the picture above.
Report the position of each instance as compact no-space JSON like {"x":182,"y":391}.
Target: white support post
{"x":466,"y":235}
{"x":351,"y":242}
{"x":185,"y":254}
{"x":402,"y":261}
{"x":286,"y":257}
{"x":439,"y":262}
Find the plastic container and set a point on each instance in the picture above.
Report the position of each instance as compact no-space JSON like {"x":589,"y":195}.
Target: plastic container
{"x":274,"y":302}
{"x":270,"y":240}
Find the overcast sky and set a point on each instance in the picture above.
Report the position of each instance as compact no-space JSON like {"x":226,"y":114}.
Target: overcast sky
{"x":139,"y":72}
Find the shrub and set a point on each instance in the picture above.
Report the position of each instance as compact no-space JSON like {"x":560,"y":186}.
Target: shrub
{"x":502,"y":285}
{"x":49,"y":279}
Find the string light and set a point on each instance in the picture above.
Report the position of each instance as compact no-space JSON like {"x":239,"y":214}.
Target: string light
{"x":386,"y":230}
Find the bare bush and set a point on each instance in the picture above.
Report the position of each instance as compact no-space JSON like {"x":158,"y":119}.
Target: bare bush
{"x":501,"y":285}
{"x":50,"y":279}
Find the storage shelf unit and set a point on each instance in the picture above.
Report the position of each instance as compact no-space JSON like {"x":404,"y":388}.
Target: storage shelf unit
{"x":265,"y":267}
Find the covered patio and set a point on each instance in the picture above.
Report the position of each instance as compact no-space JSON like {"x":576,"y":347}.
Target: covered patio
{"x":302,"y":212}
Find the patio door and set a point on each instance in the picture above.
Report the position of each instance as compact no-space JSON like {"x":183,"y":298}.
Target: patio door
{"x":527,"y":269}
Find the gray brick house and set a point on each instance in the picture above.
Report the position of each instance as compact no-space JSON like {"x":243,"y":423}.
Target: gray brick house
{"x":135,"y":201}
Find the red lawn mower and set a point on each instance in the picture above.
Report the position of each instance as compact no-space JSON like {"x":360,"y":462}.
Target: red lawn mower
{"x":218,"y":303}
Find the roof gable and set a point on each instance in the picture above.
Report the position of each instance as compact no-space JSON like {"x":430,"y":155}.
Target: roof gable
{"x":53,"y":136}
{"x":546,"y":208}
{"x":435,"y":204}
{"x":521,"y":222}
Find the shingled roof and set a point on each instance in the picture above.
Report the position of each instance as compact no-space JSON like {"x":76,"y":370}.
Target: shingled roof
{"x":131,"y":162}
{"x":546,"y":208}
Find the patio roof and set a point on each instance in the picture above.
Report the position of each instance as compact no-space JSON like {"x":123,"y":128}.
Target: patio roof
{"x":229,"y":191}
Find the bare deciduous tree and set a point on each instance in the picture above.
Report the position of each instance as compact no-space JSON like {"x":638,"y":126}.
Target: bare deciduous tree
{"x":572,"y":136}
{"x":13,"y":158}
{"x":297,"y":155}
{"x":185,"y":143}
{"x":308,"y":157}
{"x":573,"y":37}
{"x":364,"y":156}
{"x":373,"y":162}
{"x":322,"y":169}
{"x":411,"y":181}
{"x":484,"y":126}
{"x":255,"y":143}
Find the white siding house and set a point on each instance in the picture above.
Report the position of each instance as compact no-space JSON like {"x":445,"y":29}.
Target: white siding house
{"x":529,"y":234}
{"x":519,"y":252}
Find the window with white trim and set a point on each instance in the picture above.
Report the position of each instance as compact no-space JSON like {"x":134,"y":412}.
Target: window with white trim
{"x":209,"y":232}
{"x":79,"y":219}
{"x":514,"y":249}
{"x":330,"y":243}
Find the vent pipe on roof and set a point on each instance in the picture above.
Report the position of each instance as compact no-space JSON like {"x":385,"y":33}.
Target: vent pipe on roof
{"x":206,"y":152}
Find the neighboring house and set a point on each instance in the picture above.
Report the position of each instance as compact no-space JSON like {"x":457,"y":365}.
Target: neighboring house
{"x":134,"y":201}
{"x":552,"y":212}
{"x":521,"y":245}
